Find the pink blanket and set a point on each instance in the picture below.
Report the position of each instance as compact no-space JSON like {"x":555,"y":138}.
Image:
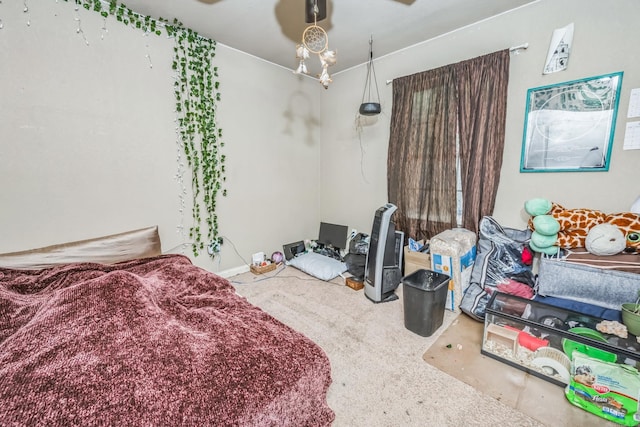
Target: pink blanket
{"x":150,"y":342}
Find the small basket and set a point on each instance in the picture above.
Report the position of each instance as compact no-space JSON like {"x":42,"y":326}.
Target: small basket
{"x":260,"y":269}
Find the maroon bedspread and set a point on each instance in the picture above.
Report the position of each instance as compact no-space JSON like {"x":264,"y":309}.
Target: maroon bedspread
{"x":153,"y":342}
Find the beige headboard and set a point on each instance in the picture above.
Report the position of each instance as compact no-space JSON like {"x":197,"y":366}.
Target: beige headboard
{"x":142,"y":243}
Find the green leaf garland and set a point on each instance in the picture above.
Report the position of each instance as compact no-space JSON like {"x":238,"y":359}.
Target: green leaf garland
{"x":196,"y":91}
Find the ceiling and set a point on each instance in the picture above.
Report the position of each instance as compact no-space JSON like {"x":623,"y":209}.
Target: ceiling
{"x":270,"y":29}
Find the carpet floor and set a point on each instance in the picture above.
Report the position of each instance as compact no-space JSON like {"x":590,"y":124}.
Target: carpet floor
{"x":457,"y":353}
{"x":379,"y":375}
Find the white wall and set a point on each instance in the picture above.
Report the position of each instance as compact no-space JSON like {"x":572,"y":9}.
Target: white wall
{"x":89,"y":143}
{"x":604,"y":41}
{"x":271,"y":127}
{"x":89,"y":146}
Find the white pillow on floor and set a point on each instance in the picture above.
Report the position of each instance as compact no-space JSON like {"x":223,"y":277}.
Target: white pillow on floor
{"x":320,"y":266}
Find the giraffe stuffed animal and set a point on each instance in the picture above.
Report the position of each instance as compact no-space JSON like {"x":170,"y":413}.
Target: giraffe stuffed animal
{"x":629,"y":224}
{"x":556,"y":227}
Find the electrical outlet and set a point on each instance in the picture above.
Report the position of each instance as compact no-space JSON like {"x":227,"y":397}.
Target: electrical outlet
{"x":214,"y":247}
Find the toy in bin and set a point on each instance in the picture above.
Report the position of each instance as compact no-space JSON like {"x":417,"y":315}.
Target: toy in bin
{"x":570,"y":347}
{"x":527,"y":340}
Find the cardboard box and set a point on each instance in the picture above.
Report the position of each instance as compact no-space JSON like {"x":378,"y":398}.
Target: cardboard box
{"x":354,"y":283}
{"x":414,"y":261}
{"x":453,"y":253}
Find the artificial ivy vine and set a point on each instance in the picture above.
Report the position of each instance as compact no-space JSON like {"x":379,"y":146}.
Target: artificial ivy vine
{"x":196,"y":95}
{"x":196,"y":91}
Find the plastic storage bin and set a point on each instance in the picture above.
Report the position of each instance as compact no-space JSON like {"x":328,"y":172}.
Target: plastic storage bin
{"x":541,"y":339}
{"x":424,"y":295}
{"x":593,"y":360}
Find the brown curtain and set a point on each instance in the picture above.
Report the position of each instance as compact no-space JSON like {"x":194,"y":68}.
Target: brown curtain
{"x":430,"y":109}
{"x":482,"y":110}
{"x":421,"y":164}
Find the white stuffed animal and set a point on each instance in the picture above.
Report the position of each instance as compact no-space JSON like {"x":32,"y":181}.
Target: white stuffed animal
{"x":605,"y":239}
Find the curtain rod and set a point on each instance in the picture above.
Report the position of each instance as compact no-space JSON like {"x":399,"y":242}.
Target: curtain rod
{"x":511,"y":49}
{"x":517,"y":48}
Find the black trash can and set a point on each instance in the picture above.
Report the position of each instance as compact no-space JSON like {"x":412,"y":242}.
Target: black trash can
{"x":424,"y":295}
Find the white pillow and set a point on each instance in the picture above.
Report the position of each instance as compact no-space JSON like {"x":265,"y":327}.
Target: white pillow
{"x":320,"y":266}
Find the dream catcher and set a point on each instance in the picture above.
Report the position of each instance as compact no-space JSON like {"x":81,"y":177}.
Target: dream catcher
{"x":315,"y":41}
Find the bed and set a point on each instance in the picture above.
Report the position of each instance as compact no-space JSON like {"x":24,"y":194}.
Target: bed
{"x":152,"y":340}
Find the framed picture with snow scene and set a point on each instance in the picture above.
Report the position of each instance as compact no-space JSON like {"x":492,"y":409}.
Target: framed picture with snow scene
{"x":569,"y":127}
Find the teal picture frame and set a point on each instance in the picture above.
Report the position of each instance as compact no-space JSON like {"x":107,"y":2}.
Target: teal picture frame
{"x":570,"y":126}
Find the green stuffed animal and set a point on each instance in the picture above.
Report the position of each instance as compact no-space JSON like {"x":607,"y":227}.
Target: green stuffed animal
{"x":554,"y":227}
{"x":544,"y":237}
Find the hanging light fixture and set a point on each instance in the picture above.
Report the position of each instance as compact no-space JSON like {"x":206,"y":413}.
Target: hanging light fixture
{"x":316,"y":41}
{"x":370,"y":107}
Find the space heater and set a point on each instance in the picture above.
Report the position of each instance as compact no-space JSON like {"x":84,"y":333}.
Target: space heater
{"x":383,"y":267}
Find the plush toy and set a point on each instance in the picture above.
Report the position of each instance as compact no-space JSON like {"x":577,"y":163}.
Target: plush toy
{"x":554,"y":227}
{"x":605,"y":239}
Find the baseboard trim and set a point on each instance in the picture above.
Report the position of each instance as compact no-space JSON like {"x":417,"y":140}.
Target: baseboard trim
{"x":233,"y":271}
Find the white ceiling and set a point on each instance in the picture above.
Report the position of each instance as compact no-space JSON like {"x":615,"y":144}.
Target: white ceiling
{"x":270,"y":29}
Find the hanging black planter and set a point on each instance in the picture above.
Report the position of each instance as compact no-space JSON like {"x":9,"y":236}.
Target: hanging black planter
{"x":370,"y":107}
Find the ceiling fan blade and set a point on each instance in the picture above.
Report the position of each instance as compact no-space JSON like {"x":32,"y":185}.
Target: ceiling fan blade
{"x":308,"y":8}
